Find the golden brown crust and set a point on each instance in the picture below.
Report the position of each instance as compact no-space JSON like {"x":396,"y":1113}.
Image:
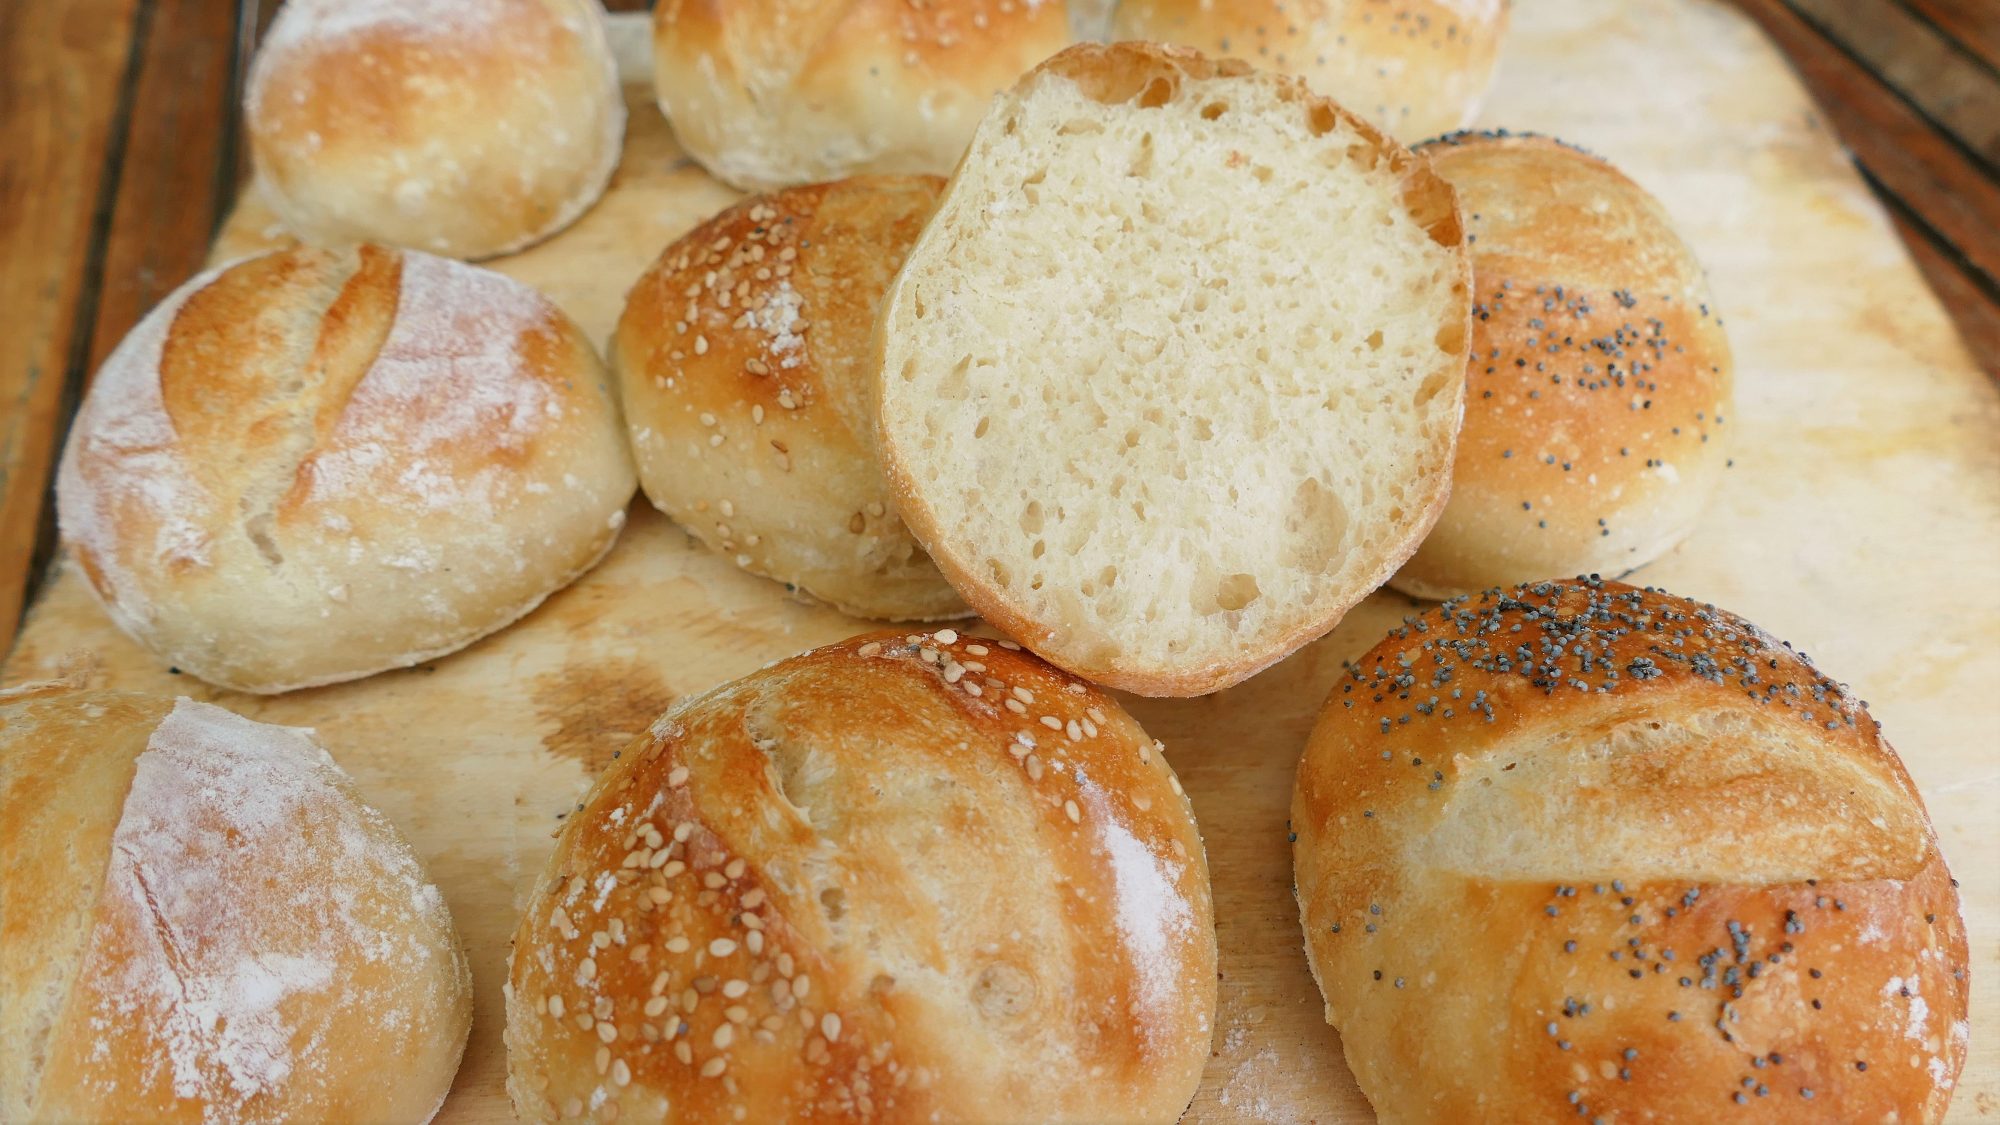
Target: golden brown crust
{"x":873,"y":882}
{"x":467,"y":128}
{"x":742,"y":362}
{"x":771,"y":93}
{"x":1117,"y":72}
{"x":1662,"y":863}
{"x":318,"y":464}
{"x":54,"y":837}
{"x":1600,"y":380}
{"x":1416,"y":68}
{"x":203,"y":923}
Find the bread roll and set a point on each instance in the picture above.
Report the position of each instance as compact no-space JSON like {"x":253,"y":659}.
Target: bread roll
{"x":899,"y":878}
{"x":318,"y":464}
{"x":467,"y":128}
{"x":200,"y":921}
{"x":1582,"y":851}
{"x":1600,"y":376}
{"x":771,"y":93}
{"x":743,"y":362}
{"x":1172,"y":378}
{"x":1415,"y":68}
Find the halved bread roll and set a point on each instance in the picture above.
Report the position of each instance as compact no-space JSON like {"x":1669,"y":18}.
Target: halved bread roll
{"x":1172,"y":379}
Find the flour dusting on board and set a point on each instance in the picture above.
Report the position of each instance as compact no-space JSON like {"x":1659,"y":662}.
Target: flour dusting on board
{"x":449,"y":382}
{"x":230,"y":977}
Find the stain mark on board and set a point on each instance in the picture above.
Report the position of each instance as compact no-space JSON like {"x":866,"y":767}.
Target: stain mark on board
{"x":598,"y":708}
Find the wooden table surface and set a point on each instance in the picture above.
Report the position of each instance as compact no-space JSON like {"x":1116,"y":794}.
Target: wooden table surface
{"x":119,"y":155}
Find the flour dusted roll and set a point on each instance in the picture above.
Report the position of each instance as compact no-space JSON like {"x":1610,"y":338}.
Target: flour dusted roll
{"x":467,"y":128}
{"x":319,"y":464}
{"x":907,"y":877}
{"x":1600,"y":379}
{"x":743,"y":362}
{"x":200,"y":921}
{"x":1416,"y":68}
{"x":770,"y":93}
{"x":1172,"y":378}
{"x":1583,"y":851}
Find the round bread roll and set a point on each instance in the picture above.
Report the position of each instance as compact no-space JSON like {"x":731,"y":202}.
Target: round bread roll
{"x":204,"y":923}
{"x":1416,"y":68}
{"x":468,"y":128}
{"x":319,"y":464}
{"x":743,"y":361}
{"x":1587,"y":852}
{"x":771,"y":93}
{"x":1600,"y":375}
{"x":899,"y":878}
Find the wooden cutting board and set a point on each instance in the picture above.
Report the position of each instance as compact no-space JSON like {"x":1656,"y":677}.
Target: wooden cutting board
{"x":1861,"y":521}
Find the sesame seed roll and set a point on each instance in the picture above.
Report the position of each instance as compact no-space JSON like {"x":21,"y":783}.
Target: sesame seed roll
{"x":743,"y":361}
{"x":906,"y":877}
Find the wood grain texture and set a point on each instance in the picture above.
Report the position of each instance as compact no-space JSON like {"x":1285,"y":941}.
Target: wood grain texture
{"x":1974,"y":308}
{"x":1863,"y":504}
{"x":63,"y":85}
{"x":1973,"y":24}
{"x":1907,"y":157}
{"x":1947,"y":84}
{"x":1946,"y":192}
{"x":179,"y":164}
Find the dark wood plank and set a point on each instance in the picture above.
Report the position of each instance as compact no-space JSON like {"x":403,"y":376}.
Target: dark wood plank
{"x":1956,"y":91}
{"x":64,"y":70}
{"x":1973,"y":24}
{"x":1926,"y":172}
{"x":1973,"y":308}
{"x":1973,"y":305}
{"x":179,"y":167}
